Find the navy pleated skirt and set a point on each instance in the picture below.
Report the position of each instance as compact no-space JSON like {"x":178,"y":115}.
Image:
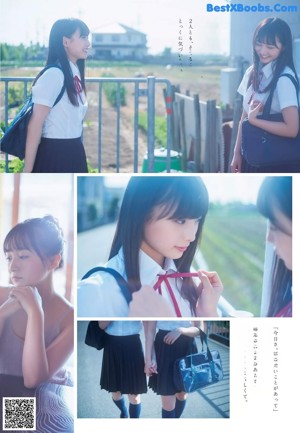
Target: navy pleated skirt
{"x":166,"y":355}
{"x":123,"y":365}
{"x":60,"y":156}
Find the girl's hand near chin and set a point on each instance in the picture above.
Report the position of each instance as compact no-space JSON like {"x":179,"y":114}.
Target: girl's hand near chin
{"x":28,"y":297}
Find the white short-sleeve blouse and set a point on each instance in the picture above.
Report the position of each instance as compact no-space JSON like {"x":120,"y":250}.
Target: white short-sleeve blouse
{"x":285,"y":94}
{"x":100,"y":295}
{"x":64,"y":120}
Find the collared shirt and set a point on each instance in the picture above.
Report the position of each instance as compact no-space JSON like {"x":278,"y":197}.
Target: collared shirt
{"x":285,"y":94}
{"x":121,"y":328}
{"x":101,"y":296}
{"x":64,"y":120}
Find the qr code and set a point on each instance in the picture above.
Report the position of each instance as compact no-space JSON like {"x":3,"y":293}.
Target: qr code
{"x":19,"y":413}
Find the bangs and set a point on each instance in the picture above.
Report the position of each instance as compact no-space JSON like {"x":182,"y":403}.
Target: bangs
{"x":275,"y":193}
{"x":266,"y":36}
{"x":184,"y":201}
{"x":83,"y":29}
{"x":17,"y":239}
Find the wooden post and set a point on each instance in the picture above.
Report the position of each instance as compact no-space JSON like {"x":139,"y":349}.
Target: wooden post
{"x":182,"y":134}
{"x":197,"y":155}
{"x":211,"y":158}
{"x":16,"y":200}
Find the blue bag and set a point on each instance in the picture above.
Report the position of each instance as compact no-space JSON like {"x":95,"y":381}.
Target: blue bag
{"x":264,"y":149}
{"x":14,"y":139}
{"x":198,"y":370}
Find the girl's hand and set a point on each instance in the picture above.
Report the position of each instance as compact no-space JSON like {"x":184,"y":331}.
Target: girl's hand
{"x":172,"y":336}
{"x":150,"y":367}
{"x":236,"y":163}
{"x":9,"y":307}
{"x":28,"y":297}
{"x":209,"y":291}
{"x":147,"y":303}
{"x":255,"y":108}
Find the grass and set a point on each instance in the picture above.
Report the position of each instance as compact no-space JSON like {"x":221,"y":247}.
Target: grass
{"x":233,"y":244}
{"x":160,"y":128}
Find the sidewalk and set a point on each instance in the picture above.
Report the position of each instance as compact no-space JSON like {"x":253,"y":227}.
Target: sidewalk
{"x":211,"y":402}
{"x":93,"y":247}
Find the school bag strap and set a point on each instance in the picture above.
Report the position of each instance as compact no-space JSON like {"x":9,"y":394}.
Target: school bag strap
{"x":267,"y":107}
{"x":118,"y":277}
{"x":52,"y":65}
{"x":13,"y":141}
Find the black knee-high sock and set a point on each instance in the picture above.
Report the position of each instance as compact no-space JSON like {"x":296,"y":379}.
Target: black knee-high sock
{"x":121,"y":405}
{"x":135,"y":410}
{"x":179,"y":407}
{"x":168,"y":413}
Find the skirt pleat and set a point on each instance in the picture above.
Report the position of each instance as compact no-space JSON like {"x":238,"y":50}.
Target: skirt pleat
{"x":166,"y":355}
{"x":60,"y":156}
{"x":123,"y":365}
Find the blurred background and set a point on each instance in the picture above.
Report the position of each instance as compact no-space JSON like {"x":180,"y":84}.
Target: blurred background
{"x":24,"y":196}
{"x":233,"y":242}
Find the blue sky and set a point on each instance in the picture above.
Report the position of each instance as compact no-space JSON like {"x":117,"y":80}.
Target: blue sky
{"x":157,"y":18}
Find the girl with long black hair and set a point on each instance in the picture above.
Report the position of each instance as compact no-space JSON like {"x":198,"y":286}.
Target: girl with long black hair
{"x":54,"y":132}
{"x":157,"y":234}
{"x":275,"y":203}
{"x":272,"y":58}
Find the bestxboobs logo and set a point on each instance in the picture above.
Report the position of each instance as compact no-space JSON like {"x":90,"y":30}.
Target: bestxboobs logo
{"x":232,"y":7}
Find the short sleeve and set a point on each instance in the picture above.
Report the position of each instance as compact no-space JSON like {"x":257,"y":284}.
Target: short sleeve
{"x":48,"y":87}
{"x":242,"y":89}
{"x":100,"y":296}
{"x":287,"y":94}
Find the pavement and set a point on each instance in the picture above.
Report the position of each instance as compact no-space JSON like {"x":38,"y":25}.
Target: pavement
{"x":210,"y":402}
{"x":93,"y":247}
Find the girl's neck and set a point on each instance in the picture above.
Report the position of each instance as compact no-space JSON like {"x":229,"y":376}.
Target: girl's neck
{"x":46,"y":289}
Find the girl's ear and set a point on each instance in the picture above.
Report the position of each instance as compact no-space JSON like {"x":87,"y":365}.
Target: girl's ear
{"x":65,"y":41}
{"x":54,"y":262}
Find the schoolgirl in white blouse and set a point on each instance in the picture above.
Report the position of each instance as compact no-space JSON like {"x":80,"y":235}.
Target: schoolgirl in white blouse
{"x":158,"y":232}
{"x":53,"y":141}
{"x":123,"y":365}
{"x":273,"y":57}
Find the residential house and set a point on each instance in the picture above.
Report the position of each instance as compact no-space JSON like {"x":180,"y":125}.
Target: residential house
{"x":119,"y":42}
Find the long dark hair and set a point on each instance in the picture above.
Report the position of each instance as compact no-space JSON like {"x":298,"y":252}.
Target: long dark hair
{"x":180,"y":197}
{"x":57,"y":54}
{"x":41,"y":235}
{"x":276,"y":193}
{"x":266,"y":32}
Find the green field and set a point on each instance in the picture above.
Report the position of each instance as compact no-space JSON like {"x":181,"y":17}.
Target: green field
{"x":233,"y":244}
{"x":201,"y":80}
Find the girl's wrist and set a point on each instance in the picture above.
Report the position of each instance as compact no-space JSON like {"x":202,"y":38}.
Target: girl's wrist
{"x":36,"y":312}
{"x":206,"y":312}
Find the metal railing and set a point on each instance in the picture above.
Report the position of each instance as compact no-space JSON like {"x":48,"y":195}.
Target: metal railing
{"x":148,"y":92}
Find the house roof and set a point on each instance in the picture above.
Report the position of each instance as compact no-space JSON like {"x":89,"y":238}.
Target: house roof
{"x":116,"y":28}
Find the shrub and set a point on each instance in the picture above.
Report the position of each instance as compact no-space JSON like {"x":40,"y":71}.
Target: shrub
{"x":160,"y":128}
{"x":110,"y":90}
